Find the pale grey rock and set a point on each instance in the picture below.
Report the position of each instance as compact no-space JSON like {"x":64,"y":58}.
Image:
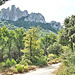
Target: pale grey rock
{"x":56,"y":25}
{"x":14,"y":14}
{"x":35,"y":17}
{"x":5,"y":14}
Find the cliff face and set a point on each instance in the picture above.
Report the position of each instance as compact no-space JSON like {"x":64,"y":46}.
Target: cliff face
{"x":56,"y":25}
{"x":15,"y":13}
{"x":36,"y":17}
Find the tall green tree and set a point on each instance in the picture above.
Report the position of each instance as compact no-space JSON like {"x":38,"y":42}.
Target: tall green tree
{"x":3,"y":41}
{"x":31,"y":42}
{"x":68,"y":34}
{"x":10,"y":41}
{"x":46,"y":41}
{"x":19,"y":40}
{"x":62,"y":37}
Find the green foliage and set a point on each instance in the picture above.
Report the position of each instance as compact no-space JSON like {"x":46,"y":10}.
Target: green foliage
{"x":55,"y":49}
{"x":11,"y":43}
{"x":2,"y":64}
{"x":8,"y":63}
{"x":69,"y":64}
{"x":47,"y":41}
{"x":31,"y":43}
{"x":51,"y":57}
{"x":27,"y":25}
{"x":67,"y":36}
{"x":2,"y":1}
{"x":62,"y":37}
{"x":72,"y":59}
{"x":13,"y":62}
{"x":19,"y":68}
{"x":66,"y":62}
{"x":66,"y":52}
{"x":41,"y":60}
{"x":25,"y":61}
{"x":26,"y":68}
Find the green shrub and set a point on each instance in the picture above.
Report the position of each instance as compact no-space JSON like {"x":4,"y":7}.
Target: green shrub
{"x":41,"y":61}
{"x":8,"y":63}
{"x":51,"y":57}
{"x":25,"y":62}
{"x":13,"y":62}
{"x":26,"y":68}
{"x":56,"y":48}
{"x":15,"y":70}
{"x":2,"y":64}
{"x":66,"y":62}
{"x":72,"y":59}
{"x":19,"y":68}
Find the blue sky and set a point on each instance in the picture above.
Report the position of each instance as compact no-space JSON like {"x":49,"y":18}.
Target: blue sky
{"x":56,"y":10}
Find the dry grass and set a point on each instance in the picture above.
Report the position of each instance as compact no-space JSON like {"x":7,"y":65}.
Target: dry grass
{"x":60,"y":70}
{"x":54,"y":61}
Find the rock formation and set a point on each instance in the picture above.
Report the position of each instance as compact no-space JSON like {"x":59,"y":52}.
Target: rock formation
{"x":56,"y":25}
{"x":36,"y":17}
{"x":15,"y":13}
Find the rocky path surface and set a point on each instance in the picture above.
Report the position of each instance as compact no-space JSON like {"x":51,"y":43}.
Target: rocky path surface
{"x":46,"y":70}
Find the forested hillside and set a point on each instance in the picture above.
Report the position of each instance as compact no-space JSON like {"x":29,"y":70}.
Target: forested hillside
{"x":21,"y":49}
{"x":27,"y":44}
{"x":27,"y":25}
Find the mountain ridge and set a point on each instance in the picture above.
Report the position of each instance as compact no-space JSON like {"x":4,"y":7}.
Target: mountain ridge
{"x":19,"y":18}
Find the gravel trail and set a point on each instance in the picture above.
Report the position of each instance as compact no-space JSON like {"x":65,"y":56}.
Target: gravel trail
{"x":46,"y":70}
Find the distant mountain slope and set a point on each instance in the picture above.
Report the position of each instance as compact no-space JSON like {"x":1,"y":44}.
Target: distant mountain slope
{"x":10,"y":26}
{"x":17,"y":18}
{"x":14,"y":14}
{"x":27,"y":25}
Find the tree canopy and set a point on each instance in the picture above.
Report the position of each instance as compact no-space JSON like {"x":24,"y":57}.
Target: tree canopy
{"x":2,"y":1}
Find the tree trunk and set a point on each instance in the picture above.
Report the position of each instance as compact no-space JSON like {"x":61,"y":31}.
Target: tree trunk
{"x":45,"y":52}
{"x":9,"y":55}
{"x":72,"y":45}
{"x":19,"y":52}
{"x":30,"y":49}
{"x":2,"y":55}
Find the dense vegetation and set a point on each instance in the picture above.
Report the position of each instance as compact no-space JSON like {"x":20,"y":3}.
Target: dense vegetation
{"x":21,"y":48}
{"x":21,"y":23}
{"x":67,"y":40}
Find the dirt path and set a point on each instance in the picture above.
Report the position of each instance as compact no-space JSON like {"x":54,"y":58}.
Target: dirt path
{"x":47,"y":70}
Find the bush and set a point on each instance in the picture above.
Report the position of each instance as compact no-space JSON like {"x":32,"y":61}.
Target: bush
{"x":66,"y":62}
{"x":41,"y":61}
{"x":13,"y":62}
{"x":26,"y":68}
{"x":55,"y":49}
{"x":51,"y":57}
{"x":25,"y":62}
{"x":19,"y":68}
{"x":66,"y":52}
{"x":8,"y":63}
{"x":2,"y":64}
{"x":72,"y":59}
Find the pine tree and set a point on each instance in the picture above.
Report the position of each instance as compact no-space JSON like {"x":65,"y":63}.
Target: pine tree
{"x":31,"y":42}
